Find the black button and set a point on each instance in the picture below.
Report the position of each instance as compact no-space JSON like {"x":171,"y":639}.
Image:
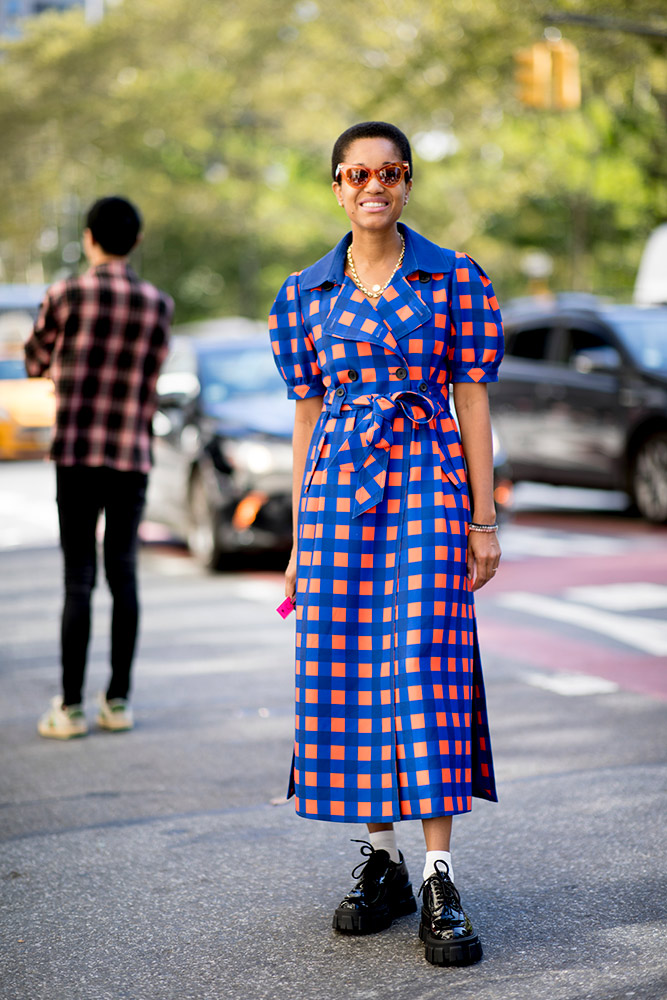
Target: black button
{"x":326,"y":286}
{"x":424,"y":277}
{"x":352,"y":375}
{"x":423,"y":386}
{"x":401,"y":373}
{"x":340,"y":391}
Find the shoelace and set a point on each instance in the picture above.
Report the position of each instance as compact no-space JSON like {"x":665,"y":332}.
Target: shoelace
{"x":444,"y":890}
{"x":365,"y":868}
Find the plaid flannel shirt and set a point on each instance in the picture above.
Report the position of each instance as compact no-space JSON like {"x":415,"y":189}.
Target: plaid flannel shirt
{"x":102,"y":338}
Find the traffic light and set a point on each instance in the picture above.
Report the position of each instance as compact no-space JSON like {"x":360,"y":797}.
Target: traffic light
{"x":565,"y":83}
{"x":547,"y":75}
{"x":533,"y":75}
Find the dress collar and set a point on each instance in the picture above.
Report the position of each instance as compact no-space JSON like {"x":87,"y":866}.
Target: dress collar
{"x":420,"y":255}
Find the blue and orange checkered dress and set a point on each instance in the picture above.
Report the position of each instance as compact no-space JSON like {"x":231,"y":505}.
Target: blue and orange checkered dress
{"x":391,"y":716}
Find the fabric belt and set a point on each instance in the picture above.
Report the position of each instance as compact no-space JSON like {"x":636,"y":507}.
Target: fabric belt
{"x":365,"y":451}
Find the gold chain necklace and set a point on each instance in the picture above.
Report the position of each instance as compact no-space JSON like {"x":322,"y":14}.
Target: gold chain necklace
{"x":376,"y":291}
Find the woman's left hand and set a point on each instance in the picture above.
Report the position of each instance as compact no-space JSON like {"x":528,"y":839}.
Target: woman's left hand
{"x":483,"y":557}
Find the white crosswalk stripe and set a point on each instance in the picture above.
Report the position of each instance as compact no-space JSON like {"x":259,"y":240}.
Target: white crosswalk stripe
{"x":621,"y":596}
{"x":571,"y":685}
{"x":646,"y":634}
{"x":521,"y":542}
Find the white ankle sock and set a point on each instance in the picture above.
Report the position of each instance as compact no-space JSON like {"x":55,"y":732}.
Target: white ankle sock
{"x":432,"y":857}
{"x":385,"y":840}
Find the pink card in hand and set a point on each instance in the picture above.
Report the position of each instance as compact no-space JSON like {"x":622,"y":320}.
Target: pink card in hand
{"x":286,"y":608}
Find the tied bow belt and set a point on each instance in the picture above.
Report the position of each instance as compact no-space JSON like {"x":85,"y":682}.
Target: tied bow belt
{"x":366,"y":449}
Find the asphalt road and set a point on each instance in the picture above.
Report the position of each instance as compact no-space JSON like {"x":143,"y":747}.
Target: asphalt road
{"x":153,"y":865}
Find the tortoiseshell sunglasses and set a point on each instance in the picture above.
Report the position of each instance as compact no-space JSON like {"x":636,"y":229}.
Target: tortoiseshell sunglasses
{"x":389,"y":175}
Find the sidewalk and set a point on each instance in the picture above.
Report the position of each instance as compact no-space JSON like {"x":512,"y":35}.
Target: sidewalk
{"x":152,"y":866}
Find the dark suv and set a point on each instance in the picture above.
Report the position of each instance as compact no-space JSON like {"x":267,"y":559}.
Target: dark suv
{"x":582,"y":397}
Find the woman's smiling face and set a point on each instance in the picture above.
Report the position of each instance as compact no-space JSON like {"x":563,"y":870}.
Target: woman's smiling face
{"x":373,"y":207}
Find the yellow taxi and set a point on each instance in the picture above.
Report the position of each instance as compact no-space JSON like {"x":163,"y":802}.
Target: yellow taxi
{"x":27,"y":408}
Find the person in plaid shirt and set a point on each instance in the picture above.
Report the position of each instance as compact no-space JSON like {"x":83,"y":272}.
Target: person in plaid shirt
{"x":102,"y":338}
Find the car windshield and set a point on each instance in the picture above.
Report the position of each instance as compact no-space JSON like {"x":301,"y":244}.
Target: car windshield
{"x":645,"y":336}
{"x":12,"y":368}
{"x":227,"y":373}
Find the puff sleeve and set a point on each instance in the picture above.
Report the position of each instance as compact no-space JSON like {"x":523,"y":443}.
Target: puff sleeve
{"x":293,"y":348}
{"x":477,"y":343}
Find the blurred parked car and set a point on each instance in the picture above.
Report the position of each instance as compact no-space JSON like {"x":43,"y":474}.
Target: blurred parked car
{"x":21,"y":298}
{"x":19,"y":306}
{"x":27,"y":408}
{"x":222,"y":478}
{"x":582,"y":397}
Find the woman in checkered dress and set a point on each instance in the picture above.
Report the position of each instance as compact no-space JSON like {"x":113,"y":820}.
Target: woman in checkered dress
{"x":390,"y":711}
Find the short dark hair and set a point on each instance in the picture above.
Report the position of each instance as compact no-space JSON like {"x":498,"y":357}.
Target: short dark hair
{"x":370,"y":130}
{"x":115,"y":224}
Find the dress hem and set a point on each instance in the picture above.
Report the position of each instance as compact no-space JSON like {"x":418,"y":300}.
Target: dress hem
{"x":391,"y":819}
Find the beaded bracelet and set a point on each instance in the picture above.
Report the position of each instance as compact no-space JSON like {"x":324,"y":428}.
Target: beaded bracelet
{"x":482,"y":527}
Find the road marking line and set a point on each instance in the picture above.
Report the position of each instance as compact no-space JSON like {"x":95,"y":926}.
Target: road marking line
{"x":263,"y":591}
{"x":621,"y":596}
{"x":219,"y":665}
{"x":519,"y":541}
{"x":171,"y":564}
{"x":572,"y":685}
{"x":646,"y":634}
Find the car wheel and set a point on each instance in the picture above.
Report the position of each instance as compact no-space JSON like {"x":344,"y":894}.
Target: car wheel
{"x":202,"y":529}
{"x":649,"y":478}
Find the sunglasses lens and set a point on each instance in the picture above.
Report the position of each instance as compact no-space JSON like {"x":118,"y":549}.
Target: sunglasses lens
{"x":390,"y":176}
{"x":357,"y":176}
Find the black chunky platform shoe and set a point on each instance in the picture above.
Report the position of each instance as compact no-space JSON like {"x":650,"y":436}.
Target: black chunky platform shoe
{"x":445,"y":929}
{"x":383,"y":892}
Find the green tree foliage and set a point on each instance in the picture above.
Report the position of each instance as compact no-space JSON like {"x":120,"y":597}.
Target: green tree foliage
{"x":218,"y":118}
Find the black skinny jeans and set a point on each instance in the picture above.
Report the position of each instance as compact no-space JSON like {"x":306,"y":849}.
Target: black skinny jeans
{"x":83,"y":492}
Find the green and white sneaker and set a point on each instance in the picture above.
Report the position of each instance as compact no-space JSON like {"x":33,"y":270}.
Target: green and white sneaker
{"x":114,"y":715}
{"x":62,"y":723}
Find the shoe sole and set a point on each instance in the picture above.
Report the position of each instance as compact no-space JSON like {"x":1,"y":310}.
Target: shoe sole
{"x":110,"y":728}
{"x":463,"y":951}
{"x":51,"y":734}
{"x":351,"y":922}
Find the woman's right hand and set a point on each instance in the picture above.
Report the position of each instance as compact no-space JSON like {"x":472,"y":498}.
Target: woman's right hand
{"x":290,"y":577}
